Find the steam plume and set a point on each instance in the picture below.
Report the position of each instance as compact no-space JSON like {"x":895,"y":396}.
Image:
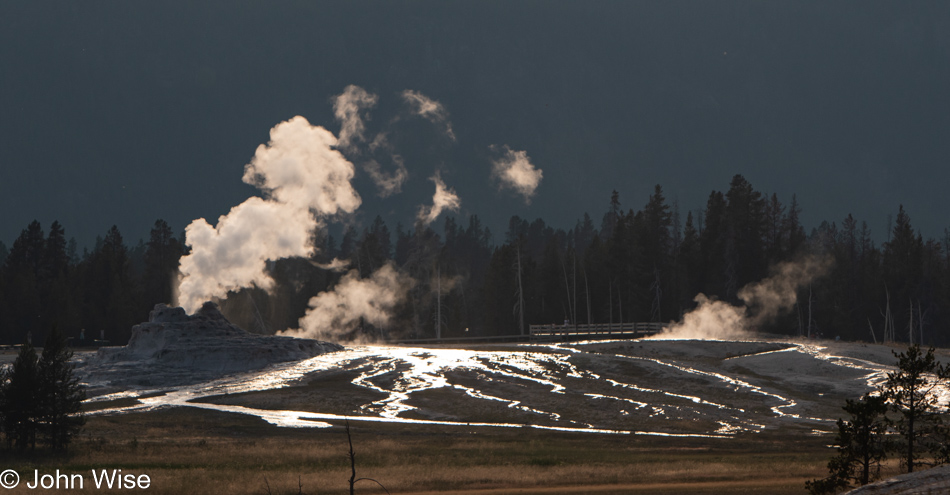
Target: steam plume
{"x":443,"y":199}
{"x":348,"y":107}
{"x":515,"y":171}
{"x":430,"y":110}
{"x":387,"y":184}
{"x":304,"y":180}
{"x":299,"y":168}
{"x":763,"y":302}
{"x":711,"y":319}
{"x":777,"y":294}
{"x":335,"y":265}
{"x":333,"y":314}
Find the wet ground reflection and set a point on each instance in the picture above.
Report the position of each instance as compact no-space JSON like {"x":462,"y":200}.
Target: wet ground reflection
{"x":655,"y":387}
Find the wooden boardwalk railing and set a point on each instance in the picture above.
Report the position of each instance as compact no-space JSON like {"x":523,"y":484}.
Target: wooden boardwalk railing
{"x":553,"y":332}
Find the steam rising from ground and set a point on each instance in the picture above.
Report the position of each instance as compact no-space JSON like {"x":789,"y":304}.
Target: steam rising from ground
{"x":777,"y":294}
{"x":711,"y":319}
{"x":515,"y":171}
{"x":763,"y":302}
{"x":333,"y":314}
{"x":304,"y":180}
{"x":443,"y":199}
{"x":430,"y":110}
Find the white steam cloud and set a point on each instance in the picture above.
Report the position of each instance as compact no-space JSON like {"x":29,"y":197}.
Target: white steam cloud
{"x":299,"y":168}
{"x":443,"y":199}
{"x":430,"y":110}
{"x":712,"y":319}
{"x":305,"y":180}
{"x":335,"y":265}
{"x":515,"y":171}
{"x":351,"y":110}
{"x":763,"y":302}
{"x":387,"y":184}
{"x":333,"y":314}
{"x":348,"y":108}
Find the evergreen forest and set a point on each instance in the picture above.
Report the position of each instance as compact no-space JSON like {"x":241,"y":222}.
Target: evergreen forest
{"x":631,"y":264}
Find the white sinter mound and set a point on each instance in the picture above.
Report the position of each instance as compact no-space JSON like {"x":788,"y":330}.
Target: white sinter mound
{"x":174,"y":343}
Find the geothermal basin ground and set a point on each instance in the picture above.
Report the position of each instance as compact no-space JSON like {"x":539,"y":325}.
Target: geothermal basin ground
{"x":651,"y":387}
{"x":639,"y":416}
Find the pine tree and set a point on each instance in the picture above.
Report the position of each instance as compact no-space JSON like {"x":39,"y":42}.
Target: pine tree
{"x":583,"y":234}
{"x":401,"y":254}
{"x":18,"y":399}
{"x":162,"y":255}
{"x":912,"y":392}
{"x":499,"y":291}
{"x":745,"y":225}
{"x":609,"y":223}
{"x":861,"y":446}
{"x":59,"y":394}
{"x":55,"y":259}
{"x":29,"y":249}
{"x":374,"y":248}
{"x":689,"y":266}
{"x":793,"y":232}
{"x":109,"y":289}
{"x":774,"y":215}
{"x":23,"y":282}
{"x":656,"y":244}
{"x":903,"y":267}
{"x":713,"y":246}
{"x":553,"y":306}
{"x":348,"y":244}
{"x":53,"y":284}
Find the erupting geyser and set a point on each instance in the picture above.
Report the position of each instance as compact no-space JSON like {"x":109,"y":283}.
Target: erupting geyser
{"x":305,"y":174}
{"x":305,"y":180}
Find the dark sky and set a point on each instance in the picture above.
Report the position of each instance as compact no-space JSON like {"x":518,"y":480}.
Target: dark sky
{"x":122,"y":112}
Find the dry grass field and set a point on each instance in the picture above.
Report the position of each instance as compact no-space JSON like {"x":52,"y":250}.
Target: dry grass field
{"x":185,"y":450}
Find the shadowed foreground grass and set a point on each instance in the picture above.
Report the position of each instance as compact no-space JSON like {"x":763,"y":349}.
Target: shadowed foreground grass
{"x":188,"y":450}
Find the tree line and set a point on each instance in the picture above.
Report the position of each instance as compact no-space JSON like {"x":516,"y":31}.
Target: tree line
{"x":46,"y":283}
{"x":640,"y":265}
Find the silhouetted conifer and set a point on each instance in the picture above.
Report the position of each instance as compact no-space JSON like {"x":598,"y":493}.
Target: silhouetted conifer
{"x":19,"y":404}
{"x":59,"y":394}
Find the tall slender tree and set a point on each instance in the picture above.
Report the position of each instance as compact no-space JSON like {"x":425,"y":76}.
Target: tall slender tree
{"x":912,"y":392}
{"x":903,"y":268}
{"x":59,"y":393}
{"x":860,"y":443}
